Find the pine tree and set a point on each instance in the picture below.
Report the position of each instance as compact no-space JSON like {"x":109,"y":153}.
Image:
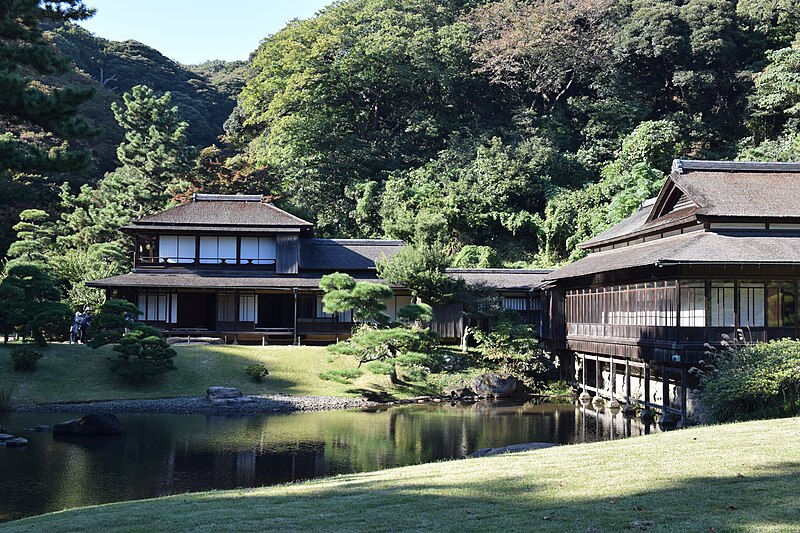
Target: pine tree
{"x":48,"y":110}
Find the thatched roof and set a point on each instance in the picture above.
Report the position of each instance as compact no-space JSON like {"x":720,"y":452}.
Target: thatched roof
{"x":345,"y":254}
{"x":220,"y":212}
{"x":501,"y":278}
{"x":699,"y":247}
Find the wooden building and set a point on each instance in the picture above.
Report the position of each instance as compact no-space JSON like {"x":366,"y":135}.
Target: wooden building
{"x":716,"y":253}
{"x":237,"y":267}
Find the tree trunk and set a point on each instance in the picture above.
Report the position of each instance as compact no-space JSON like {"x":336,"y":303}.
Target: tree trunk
{"x":393,"y":376}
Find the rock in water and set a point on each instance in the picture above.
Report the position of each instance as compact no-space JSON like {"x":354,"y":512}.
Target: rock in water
{"x":16,"y":442}
{"x":91,"y":424}
{"x":513,"y":448}
{"x":457,"y":392}
{"x":495,"y":385}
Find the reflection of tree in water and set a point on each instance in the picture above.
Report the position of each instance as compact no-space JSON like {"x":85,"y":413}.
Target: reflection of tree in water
{"x":169,"y":454}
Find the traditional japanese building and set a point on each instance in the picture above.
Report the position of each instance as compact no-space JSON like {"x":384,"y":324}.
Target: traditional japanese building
{"x":716,"y":254}
{"x":237,"y":267}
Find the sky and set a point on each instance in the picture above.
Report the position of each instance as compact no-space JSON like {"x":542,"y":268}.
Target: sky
{"x":193,"y":31}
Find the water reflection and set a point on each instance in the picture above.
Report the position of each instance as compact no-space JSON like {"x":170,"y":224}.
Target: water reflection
{"x":167,"y":454}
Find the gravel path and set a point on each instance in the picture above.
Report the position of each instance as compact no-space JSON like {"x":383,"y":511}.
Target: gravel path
{"x":276,"y":403}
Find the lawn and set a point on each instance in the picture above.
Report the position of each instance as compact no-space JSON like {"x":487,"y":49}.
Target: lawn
{"x":76,"y":373}
{"x":737,"y":477}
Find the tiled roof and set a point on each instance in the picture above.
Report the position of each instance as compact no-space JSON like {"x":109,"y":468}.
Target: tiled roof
{"x":215,"y":280}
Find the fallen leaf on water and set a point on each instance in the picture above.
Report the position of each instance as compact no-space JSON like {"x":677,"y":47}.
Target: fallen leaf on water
{"x":545,"y":518}
{"x":731,"y":507}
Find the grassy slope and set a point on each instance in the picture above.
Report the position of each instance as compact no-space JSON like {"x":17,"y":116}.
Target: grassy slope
{"x":77,"y":373}
{"x":738,"y":477}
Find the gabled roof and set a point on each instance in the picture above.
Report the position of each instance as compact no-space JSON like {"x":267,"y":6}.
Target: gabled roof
{"x":698,"y":247}
{"x":219,"y":211}
{"x":345,"y":254}
{"x":501,"y":278}
{"x":697,"y":190}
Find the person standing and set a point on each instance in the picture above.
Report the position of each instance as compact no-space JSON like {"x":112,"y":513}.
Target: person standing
{"x":75,"y":329}
{"x":85,"y":323}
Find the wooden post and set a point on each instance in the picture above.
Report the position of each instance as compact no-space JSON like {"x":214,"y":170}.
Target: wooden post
{"x":665,"y":386}
{"x":612,"y":372}
{"x":597,"y":376}
{"x":627,"y":381}
{"x":583,"y":370}
{"x":647,"y":383}
{"x":294,"y":331}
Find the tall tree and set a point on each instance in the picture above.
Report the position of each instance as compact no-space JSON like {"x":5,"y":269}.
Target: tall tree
{"x":37,"y":119}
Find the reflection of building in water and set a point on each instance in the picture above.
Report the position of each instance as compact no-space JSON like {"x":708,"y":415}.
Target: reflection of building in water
{"x":607,"y":424}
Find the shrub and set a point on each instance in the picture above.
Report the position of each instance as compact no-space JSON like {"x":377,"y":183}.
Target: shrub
{"x":5,"y":399}
{"x":258,"y":373}
{"x":25,"y":358}
{"x":345,"y":375}
{"x":750,"y":381}
{"x":512,"y":347}
{"x":142,"y":358}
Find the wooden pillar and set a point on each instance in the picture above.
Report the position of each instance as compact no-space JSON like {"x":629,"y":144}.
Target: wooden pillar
{"x":647,"y":383}
{"x":613,"y":375}
{"x":664,"y":386}
{"x":583,"y":370}
{"x":597,"y":376}
{"x":627,"y":381}
{"x":294,"y":331}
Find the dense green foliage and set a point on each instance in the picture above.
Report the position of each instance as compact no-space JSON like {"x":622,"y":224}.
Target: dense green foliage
{"x":512,"y":347}
{"x":483,"y":134}
{"x":759,"y":380}
{"x":343,"y":293}
{"x":258,"y":373}
{"x":29,"y":305}
{"x":25,"y":358}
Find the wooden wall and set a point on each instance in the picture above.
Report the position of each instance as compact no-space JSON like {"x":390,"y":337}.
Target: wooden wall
{"x":288,"y":254}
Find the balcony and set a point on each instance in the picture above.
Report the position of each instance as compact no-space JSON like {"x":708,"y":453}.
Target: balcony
{"x":194,"y":263}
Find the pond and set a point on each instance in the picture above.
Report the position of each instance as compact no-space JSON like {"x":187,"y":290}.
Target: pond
{"x":160,"y":455}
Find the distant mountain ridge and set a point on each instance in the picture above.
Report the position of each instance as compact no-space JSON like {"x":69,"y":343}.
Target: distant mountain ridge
{"x":205,"y":94}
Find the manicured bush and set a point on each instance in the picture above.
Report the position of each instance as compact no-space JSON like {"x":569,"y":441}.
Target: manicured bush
{"x":750,"y":381}
{"x":258,"y":373}
{"x":25,"y":358}
{"x":344,"y":375}
{"x":141,"y":358}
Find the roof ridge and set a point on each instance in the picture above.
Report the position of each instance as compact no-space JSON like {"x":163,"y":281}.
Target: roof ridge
{"x":681,"y":166}
{"x":199,"y":197}
{"x":499,"y":270}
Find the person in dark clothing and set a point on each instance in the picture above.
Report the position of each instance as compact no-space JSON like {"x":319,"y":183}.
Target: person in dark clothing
{"x":85,"y":323}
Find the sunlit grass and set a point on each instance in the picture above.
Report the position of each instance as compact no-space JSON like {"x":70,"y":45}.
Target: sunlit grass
{"x":739,"y":477}
{"x":70,"y":373}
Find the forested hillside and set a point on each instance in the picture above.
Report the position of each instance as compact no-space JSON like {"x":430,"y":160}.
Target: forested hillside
{"x":483,"y":133}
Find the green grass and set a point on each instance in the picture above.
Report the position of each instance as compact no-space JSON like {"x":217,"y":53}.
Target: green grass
{"x":737,"y":477}
{"x":70,"y":373}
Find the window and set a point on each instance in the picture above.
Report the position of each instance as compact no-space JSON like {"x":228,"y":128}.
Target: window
{"x":721,"y":300}
{"x":226,"y":307}
{"x":213,"y":250}
{"x":515,"y":303}
{"x":781,"y":305}
{"x":176,"y":248}
{"x":345,"y":316}
{"x":258,"y":250}
{"x":751,"y":304}
{"x":693,"y":304}
{"x":247,"y":308}
{"x":158,"y":307}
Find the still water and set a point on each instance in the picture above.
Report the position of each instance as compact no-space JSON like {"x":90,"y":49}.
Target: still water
{"x":167,"y":454}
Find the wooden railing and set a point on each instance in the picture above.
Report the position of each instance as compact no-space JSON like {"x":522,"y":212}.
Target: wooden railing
{"x":204,"y":263}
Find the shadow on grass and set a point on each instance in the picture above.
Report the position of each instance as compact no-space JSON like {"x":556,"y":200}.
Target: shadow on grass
{"x":508,"y":501}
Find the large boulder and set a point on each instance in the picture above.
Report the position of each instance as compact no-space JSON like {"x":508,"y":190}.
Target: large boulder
{"x":458,"y":392}
{"x":91,"y":424}
{"x":494,"y":385}
{"x":11,"y":441}
{"x":226,"y":396}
